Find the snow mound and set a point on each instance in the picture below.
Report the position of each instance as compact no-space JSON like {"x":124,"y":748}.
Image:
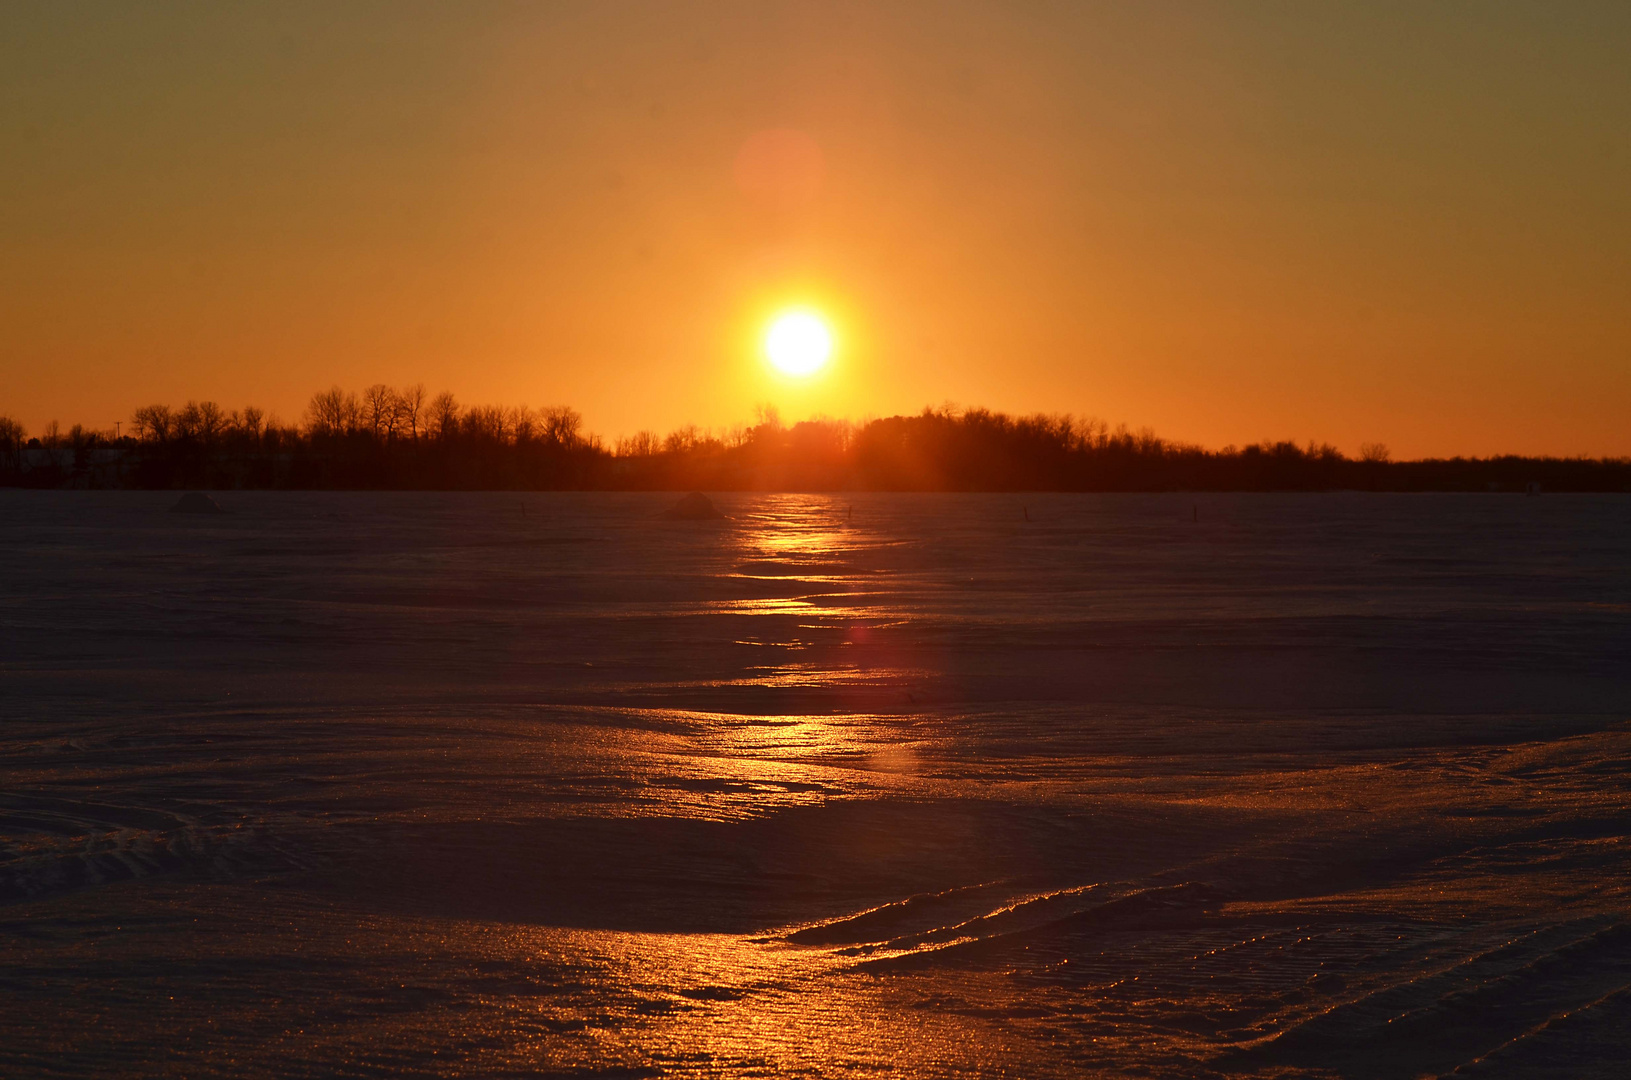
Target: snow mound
{"x":694,"y":507}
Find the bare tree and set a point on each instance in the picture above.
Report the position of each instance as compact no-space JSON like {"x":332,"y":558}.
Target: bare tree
{"x":200,"y":420}
{"x":562,"y":425}
{"x":444,"y":415}
{"x":524,"y":424}
{"x":212,"y":421}
{"x":12,"y":435}
{"x":640,"y":444}
{"x":410,"y":408}
{"x":682,"y":440}
{"x":320,"y":411}
{"x":1374,"y":452}
{"x":152,"y":422}
{"x":185,"y":423}
{"x":379,"y":409}
{"x":487,"y":421}
{"x":333,"y":412}
{"x":250,"y":422}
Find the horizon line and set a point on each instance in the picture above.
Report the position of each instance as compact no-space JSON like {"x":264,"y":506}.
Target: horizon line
{"x":382,"y":410}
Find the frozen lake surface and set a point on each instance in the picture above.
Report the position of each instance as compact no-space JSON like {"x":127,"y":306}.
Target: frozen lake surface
{"x":377,"y":784}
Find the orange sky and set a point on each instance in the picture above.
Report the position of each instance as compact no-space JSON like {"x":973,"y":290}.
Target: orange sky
{"x":1348,"y":222}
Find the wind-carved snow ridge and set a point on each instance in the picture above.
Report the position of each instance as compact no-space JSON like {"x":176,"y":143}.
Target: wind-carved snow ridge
{"x":74,"y":844}
{"x":1513,"y":1004}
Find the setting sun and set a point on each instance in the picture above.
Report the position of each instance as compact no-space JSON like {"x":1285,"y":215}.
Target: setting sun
{"x":798,"y":343}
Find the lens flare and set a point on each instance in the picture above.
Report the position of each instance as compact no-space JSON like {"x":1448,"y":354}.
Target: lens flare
{"x":798,"y":343}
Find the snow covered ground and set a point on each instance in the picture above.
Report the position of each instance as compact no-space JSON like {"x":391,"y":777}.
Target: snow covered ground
{"x":919,"y":785}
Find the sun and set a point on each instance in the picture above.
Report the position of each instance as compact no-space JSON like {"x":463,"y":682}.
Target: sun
{"x":798,"y":342}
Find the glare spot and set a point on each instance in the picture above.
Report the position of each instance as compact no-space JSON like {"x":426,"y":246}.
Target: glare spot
{"x":798,"y":343}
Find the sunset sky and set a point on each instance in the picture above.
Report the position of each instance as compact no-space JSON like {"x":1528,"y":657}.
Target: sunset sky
{"x":1408,"y":223}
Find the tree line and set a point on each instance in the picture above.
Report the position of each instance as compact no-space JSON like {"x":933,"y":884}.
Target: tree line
{"x":405,"y":438}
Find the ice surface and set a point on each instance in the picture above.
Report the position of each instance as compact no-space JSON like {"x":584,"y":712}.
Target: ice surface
{"x":517,"y":784}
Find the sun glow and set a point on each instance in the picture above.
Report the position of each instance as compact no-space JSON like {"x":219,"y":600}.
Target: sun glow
{"x":798,"y":342}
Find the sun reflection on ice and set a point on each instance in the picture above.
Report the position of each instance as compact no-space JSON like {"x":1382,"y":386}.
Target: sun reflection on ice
{"x":699,"y":1002}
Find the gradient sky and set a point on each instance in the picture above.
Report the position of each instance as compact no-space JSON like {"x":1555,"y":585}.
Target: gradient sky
{"x":1358,"y":221}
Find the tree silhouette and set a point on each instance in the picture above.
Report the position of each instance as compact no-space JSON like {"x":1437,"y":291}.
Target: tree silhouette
{"x":391,"y":438}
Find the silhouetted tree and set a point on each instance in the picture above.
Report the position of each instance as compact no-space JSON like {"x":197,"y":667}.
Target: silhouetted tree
{"x":333,"y":412}
{"x":484,"y":422}
{"x":379,"y":409}
{"x":410,"y":408}
{"x":444,"y":416}
{"x":12,"y":437}
{"x":152,"y":422}
{"x":212,"y":422}
{"x":640,"y":444}
{"x":562,"y":425}
{"x":249,"y":422}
